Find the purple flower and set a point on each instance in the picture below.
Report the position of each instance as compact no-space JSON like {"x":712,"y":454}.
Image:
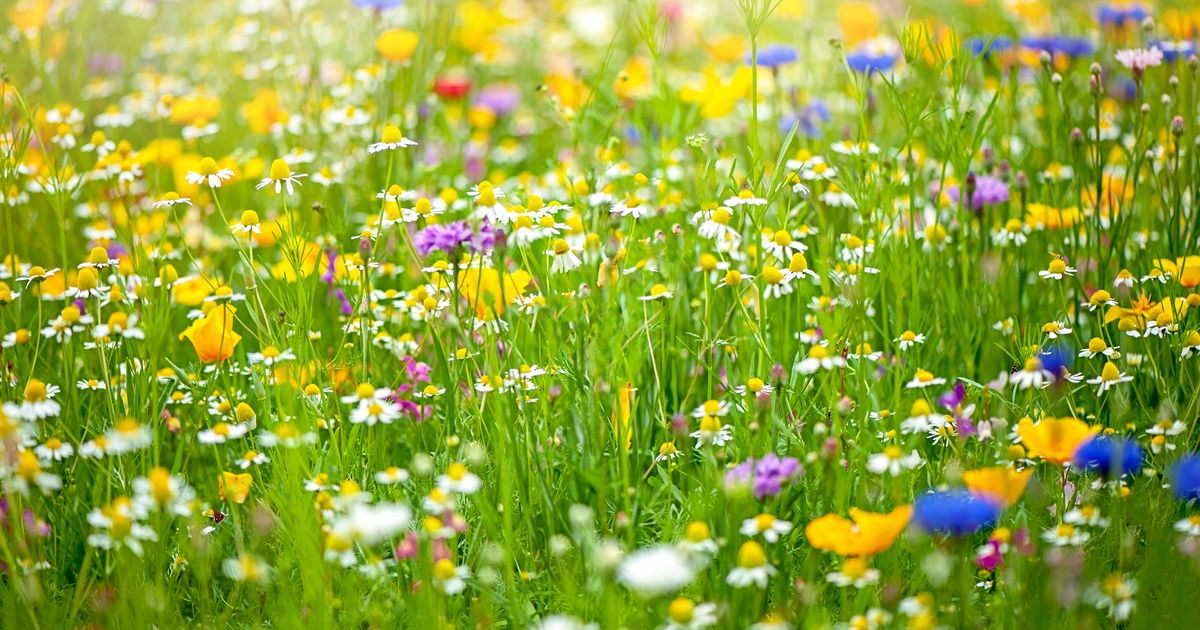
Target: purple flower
{"x":451,"y":237}
{"x":501,"y":98}
{"x":742,"y":474}
{"x":771,"y":472}
{"x":952,"y":399}
{"x":989,"y":191}
{"x":765,"y":476}
{"x":416,"y":370}
{"x":378,"y":5}
{"x":344,"y":305}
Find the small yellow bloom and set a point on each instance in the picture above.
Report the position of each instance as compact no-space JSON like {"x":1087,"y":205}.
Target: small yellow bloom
{"x":397,"y":44}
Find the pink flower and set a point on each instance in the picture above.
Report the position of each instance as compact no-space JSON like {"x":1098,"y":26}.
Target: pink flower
{"x":1138,"y":59}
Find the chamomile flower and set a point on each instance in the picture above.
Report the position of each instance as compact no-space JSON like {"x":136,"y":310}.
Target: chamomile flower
{"x":1057,"y":270}
{"x":745,"y":198}
{"x":781,"y":244}
{"x":1054,"y":330}
{"x":391,"y":140}
{"x":391,"y":475}
{"x":1099,"y":299}
{"x":1189,"y":526}
{"x":459,"y":480}
{"x":1066,"y":535}
{"x":658,"y":292}
{"x":778,"y":283}
{"x":712,"y":408}
{"x":365,"y":392}
{"x":249,"y":224}
{"x":908,"y":339}
{"x":118,"y":525}
{"x":377,"y":411}
{"x":684,"y":614}
{"x":712,"y":432}
{"x":1032,"y":375}
{"x":252,"y":458}
{"x":820,"y":358}
{"x":854,"y":572}
{"x":1087,"y":515}
{"x":271,"y":356}
{"x":698,"y":543}
{"x":281,"y":176}
{"x":209,"y":174}
{"x":1110,"y":376}
{"x":893,"y":461}
{"x":222,"y":432}
{"x":1098,"y":347}
{"x":753,"y":387}
{"x":767,"y":526}
{"x":1191,"y":345}
{"x":54,"y":449}
{"x":449,"y":577}
{"x":752,"y":567}
{"x":565,"y":258}
{"x":247,"y":568}
{"x":667,"y":452}
{"x":923,"y":379}
{"x":38,"y":401}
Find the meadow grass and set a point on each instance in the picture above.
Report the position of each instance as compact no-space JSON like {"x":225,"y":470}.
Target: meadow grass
{"x":573,"y":314}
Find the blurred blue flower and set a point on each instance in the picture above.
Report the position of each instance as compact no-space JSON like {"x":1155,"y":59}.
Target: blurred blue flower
{"x":954,"y":512}
{"x":1057,"y":44}
{"x":1174,"y":51}
{"x":988,"y":46}
{"x":810,"y":119}
{"x":775,"y":55}
{"x":866,"y":62}
{"x":1120,"y":14}
{"x":1109,"y":455}
{"x":1057,"y":357}
{"x":1185,"y":477}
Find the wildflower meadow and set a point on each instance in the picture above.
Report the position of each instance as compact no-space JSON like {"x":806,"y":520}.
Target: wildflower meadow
{"x":588,"y":314}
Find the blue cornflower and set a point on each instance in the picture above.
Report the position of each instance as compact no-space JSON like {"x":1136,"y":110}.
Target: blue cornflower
{"x":1058,"y":44}
{"x":1111,"y":456}
{"x":775,"y":56}
{"x":1175,"y":50}
{"x":1120,"y":15}
{"x":1185,"y":478}
{"x":1057,"y":357}
{"x":867,"y":62}
{"x":987,"y":46}
{"x":954,"y":512}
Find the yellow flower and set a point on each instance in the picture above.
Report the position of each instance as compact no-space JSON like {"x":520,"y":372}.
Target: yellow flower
{"x":488,"y":293}
{"x":858,"y":20}
{"x":212,"y":336}
{"x":715,"y":96}
{"x":1003,"y":483}
{"x":1186,"y":270}
{"x":235,"y":487}
{"x":571,"y":92}
{"x":263,"y":111}
{"x":191,"y":292}
{"x":727,"y":49}
{"x":868,"y":533}
{"x":397,"y":44}
{"x":622,"y":430}
{"x":634,"y":79}
{"x":1054,"y":439}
